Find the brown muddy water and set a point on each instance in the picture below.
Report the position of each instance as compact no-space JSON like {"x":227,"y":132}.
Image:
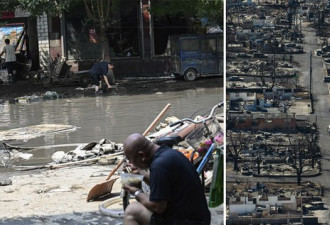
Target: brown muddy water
{"x":110,"y":117}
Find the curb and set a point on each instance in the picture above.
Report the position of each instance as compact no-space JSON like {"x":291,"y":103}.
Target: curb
{"x":276,"y":176}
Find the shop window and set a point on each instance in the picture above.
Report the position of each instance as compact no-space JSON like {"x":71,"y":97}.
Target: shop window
{"x":190,"y":45}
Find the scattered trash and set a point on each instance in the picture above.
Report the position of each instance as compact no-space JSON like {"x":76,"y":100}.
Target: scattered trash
{"x":28,"y":99}
{"x":8,"y":156}
{"x":214,"y":29}
{"x":86,"y":151}
{"x":58,"y":156}
{"x":50,"y":95}
{"x":5,"y":182}
{"x":4,"y":76}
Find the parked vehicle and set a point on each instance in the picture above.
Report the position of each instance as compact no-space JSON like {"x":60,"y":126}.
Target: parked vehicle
{"x":318,"y":52}
{"x":246,"y":171}
{"x":235,"y":78}
{"x":259,"y":55}
{"x":315,"y":206}
{"x":193,"y":56}
{"x":326,"y":79}
{"x":243,"y":55}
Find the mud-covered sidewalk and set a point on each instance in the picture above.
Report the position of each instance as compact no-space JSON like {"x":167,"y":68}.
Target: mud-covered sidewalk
{"x":128,"y":86}
{"x":55,"y":197}
{"x":59,"y":196}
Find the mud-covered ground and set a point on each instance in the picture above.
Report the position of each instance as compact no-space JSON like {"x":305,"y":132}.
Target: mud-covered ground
{"x":128,"y":86}
{"x":55,"y":197}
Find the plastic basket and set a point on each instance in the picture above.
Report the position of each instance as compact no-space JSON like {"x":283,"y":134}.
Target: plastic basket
{"x":200,"y":140}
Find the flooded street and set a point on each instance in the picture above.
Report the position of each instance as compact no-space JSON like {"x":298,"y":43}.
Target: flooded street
{"x":113,"y":117}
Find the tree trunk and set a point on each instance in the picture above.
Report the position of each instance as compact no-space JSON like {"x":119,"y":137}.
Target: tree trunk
{"x":105,"y":49}
{"x":235,"y":164}
{"x":298,"y":176}
{"x":99,"y":13}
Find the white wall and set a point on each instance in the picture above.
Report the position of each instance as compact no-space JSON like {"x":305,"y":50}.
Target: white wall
{"x":242,"y":95}
{"x":245,"y":206}
{"x":43,"y":41}
{"x":242,"y":208}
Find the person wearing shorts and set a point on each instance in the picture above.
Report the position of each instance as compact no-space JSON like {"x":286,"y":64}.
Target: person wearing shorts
{"x":10,"y":58}
{"x":176,"y":192}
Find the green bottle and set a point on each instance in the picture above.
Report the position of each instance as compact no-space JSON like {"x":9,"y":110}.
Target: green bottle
{"x":216,"y":190}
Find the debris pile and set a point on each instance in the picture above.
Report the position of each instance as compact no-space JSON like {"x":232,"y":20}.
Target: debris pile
{"x":85,"y":151}
{"x":49,"y":95}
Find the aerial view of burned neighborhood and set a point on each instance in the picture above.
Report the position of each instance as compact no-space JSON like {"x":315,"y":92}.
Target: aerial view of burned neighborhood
{"x":278,"y":116}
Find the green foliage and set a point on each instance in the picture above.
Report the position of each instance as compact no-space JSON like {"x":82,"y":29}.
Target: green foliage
{"x":99,"y":11}
{"x":211,"y":9}
{"x":39,"y":7}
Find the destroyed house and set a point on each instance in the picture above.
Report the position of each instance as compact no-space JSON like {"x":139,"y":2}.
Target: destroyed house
{"x":266,"y":122}
{"x":278,"y":93}
{"x":248,"y":205}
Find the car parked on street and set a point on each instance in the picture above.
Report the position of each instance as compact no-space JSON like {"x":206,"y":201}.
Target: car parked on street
{"x":318,"y":52}
{"x":326,"y":79}
{"x":235,"y":78}
{"x":315,"y":205}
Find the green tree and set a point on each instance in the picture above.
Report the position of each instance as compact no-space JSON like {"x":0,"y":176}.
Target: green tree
{"x":39,"y":7}
{"x":210,"y":9}
{"x":99,"y":13}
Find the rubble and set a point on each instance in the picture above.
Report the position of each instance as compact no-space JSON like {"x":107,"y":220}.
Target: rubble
{"x":270,"y":132}
{"x":85,"y":151}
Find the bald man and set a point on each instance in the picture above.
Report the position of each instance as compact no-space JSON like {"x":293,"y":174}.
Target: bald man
{"x":176,"y":192}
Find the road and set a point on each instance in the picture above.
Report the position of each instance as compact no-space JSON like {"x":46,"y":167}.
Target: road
{"x":320,"y":91}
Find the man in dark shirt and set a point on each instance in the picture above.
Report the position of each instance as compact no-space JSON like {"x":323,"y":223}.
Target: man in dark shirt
{"x":176,"y":192}
{"x":98,"y":72}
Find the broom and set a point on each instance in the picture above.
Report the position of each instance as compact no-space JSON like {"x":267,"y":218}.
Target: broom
{"x":106,"y":187}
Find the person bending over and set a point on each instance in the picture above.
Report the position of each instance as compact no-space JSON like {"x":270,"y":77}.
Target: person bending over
{"x":98,"y":72}
{"x":176,"y":192}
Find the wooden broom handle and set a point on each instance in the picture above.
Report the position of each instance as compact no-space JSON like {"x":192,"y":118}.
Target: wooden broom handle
{"x":156,"y":120}
{"x":116,"y":168}
{"x":152,"y":125}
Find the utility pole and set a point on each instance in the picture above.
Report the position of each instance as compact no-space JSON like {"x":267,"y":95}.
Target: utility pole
{"x":310,"y":82}
{"x":310,"y":75}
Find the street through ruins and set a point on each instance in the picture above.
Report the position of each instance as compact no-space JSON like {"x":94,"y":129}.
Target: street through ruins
{"x":271,"y":161}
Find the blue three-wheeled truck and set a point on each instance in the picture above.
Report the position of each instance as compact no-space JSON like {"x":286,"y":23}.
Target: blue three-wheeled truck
{"x":193,"y":56}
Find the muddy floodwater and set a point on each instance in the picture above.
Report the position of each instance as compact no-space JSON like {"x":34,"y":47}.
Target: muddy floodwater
{"x":113,"y":117}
